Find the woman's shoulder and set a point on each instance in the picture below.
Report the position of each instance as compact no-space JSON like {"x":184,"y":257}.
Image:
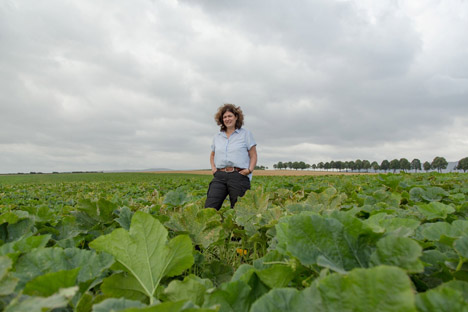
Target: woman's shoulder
{"x":244,"y":130}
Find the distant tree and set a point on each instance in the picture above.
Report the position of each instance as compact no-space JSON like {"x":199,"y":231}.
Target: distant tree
{"x":351,"y":165}
{"x":405,"y":164}
{"x":302,"y":165}
{"x":385,"y":165}
{"x":314,"y":166}
{"x":416,"y":164}
{"x":366,"y":165}
{"x":346,"y":165}
{"x":394,"y":165}
{"x":290,"y":165}
{"x":320,"y":165}
{"x":358,"y":164}
{"x":463,"y":164}
{"x":427,"y":166}
{"x":327,"y":166}
{"x":375,"y":166}
{"x":439,"y":163}
{"x":339,"y":165}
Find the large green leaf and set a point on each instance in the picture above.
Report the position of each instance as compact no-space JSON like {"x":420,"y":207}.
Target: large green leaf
{"x":24,"y":244}
{"x":12,"y":217}
{"x":125,"y":217}
{"x":42,"y":213}
{"x":232,"y":297}
{"x":283,"y":300}
{"x":145,"y":253}
{"x":46,"y":260}
{"x":327,"y":200}
{"x":48,"y":284}
{"x":191,"y":288}
{"x":402,"y":252}
{"x":430,"y":194}
{"x":93,"y":213}
{"x":7,"y":282}
{"x":203,"y":225}
{"x":326,"y":241}
{"x":461,"y":246}
{"x":381,"y":288}
{"x":114,"y":304}
{"x":39,"y":304}
{"x":176,"y":306}
{"x":389,"y":224}
{"x":20,"y":229}
{"x":123,"y":285}
{"x":273,"y":270}
{"x":384,"y":199}
{"x":437,"y":230}
{"x":435,"y":210}
{"x":451,"y":296}
{"x":433,"y":231}
{"x":176,"y":198}
{"x":252,"y":211}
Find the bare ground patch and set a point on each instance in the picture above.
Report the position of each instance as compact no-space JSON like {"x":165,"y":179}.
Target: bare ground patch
{"x":274,"y":172}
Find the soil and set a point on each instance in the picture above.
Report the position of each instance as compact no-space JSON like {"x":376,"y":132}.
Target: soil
{"x":274,"y":172}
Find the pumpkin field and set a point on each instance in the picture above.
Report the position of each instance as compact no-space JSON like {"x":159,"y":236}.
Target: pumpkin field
{"x":144,"y":242}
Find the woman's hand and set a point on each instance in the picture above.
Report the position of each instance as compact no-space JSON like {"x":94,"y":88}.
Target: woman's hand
{"x":213,"y":170}
{"x":245,"y":171}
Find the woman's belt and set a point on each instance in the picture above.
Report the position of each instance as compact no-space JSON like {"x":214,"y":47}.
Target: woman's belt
{"x":230,"y":169}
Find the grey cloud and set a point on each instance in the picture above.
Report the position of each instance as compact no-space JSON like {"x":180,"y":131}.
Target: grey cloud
{"x":115,"y":84}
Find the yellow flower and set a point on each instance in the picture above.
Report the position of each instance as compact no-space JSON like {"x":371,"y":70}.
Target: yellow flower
{"x":241,"y":251}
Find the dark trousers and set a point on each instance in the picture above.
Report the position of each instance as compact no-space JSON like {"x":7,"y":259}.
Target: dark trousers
{"x":223,"y":184}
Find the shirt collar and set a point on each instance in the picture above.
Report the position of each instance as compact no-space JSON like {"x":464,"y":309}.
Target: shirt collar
{"x":223,"y":133}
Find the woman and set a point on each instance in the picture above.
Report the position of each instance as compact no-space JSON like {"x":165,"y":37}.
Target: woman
{"x":233,"y":158}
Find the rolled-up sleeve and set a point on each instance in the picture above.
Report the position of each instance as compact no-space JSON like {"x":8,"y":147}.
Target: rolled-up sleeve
{"x":249,"y":139}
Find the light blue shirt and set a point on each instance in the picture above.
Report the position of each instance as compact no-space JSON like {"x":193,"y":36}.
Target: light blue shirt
{"x":233,"y":152}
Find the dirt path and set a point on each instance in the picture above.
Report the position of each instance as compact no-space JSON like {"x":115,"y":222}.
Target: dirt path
{"x":274,"y":172}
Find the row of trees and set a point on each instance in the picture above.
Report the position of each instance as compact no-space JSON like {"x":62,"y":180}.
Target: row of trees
{"x":403,"y":164}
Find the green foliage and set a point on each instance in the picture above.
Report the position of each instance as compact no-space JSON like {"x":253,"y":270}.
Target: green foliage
{"x":202,"y":225}
{"x":382,"y":288}
{"x":7,"y":281}
{"x":340,"y":245}
{"x":191,"y":288}
{"x":114,"y":304}
{"x":401,"y":252}
{"x":387,"y":242}
{"x":39,"y":304}
{"x":463,"y":164}
{"x":451,"y":296}
{"x":145,"y":254}
{"x":439,"y":163}
{"x":49,"y":283}
{"x":435,"y":210}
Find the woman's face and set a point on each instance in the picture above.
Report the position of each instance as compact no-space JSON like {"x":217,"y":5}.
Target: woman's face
{"x":229,"y":119}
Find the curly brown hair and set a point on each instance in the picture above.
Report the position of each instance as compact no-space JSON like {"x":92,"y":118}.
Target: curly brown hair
{"x":236,"y":110}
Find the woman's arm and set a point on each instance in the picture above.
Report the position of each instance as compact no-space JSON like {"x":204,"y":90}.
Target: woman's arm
{"x":253,"y":158}
{"x":213,"y":166}
{"x":253,"y":161}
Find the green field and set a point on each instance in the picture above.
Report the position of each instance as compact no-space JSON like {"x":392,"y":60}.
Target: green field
{"x":144,"y":242}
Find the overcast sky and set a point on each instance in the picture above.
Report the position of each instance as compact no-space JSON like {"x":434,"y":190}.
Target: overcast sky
{"x":104,"y":85}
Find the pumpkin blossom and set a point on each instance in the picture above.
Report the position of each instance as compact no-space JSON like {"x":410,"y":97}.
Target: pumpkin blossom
{"x":242,"y":252}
